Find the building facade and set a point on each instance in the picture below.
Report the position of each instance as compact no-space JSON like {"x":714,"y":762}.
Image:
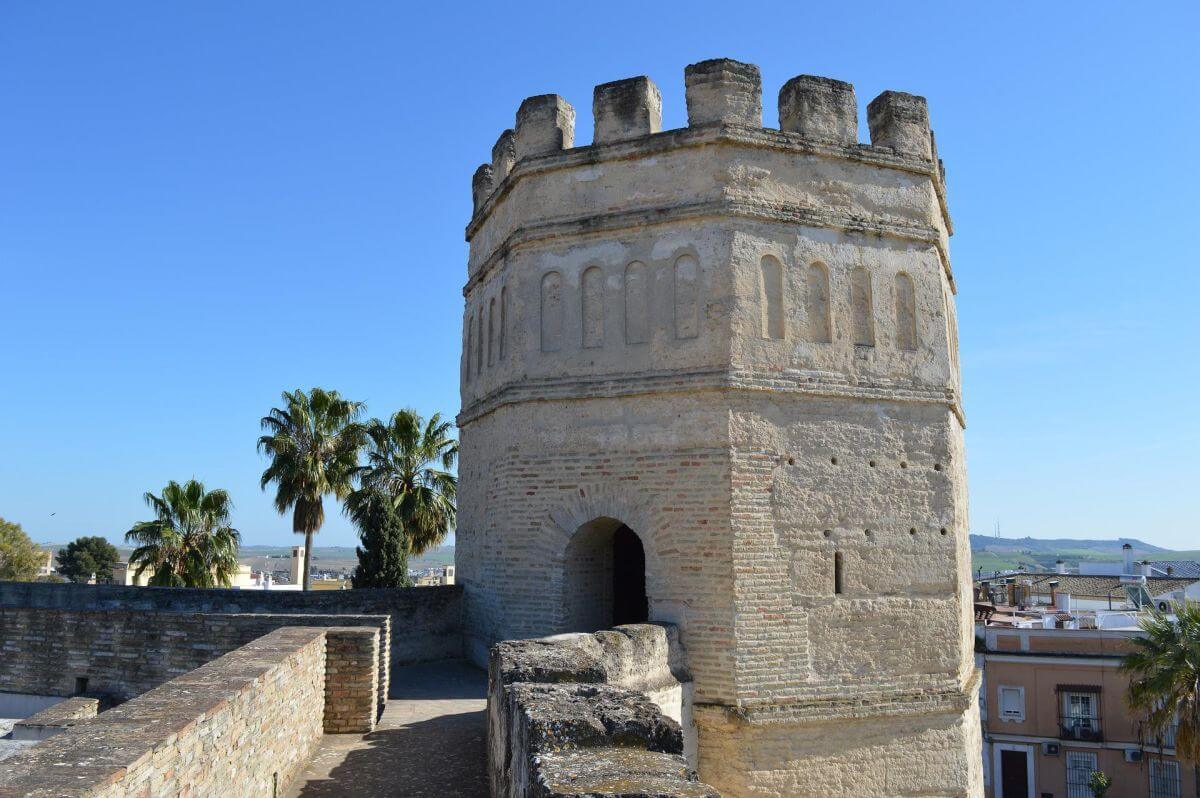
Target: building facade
{"x":1056,"y":711}
{"x":709,"y":377}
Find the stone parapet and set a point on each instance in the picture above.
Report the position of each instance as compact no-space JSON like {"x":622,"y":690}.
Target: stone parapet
{"x":590,"y":714}
{"x":428,"y":620}
{"x":52,"y":720}
{"x":121,"y":654}
{"x":242,"y":724}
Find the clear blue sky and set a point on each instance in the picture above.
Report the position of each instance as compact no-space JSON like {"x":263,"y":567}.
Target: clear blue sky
{"x":203,"y":204}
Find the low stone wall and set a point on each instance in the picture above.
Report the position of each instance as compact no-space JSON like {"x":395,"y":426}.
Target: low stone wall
{"x":52,"y":720}
{"x":426,"y":621}
{"x":243,"y":724}
{"x":591,"y":714}
{"x":123,"y":653}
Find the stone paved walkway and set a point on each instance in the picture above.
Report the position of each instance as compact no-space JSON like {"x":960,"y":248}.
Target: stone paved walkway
{"x":429,"y":742}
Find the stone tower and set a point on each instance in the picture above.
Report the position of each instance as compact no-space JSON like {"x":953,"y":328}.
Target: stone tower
{"x":710,"y":377}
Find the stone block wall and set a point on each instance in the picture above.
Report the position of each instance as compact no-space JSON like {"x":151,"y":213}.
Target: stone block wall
{"x":243,"y":724}
{"x":427,"y":621}
{"x":124,"y":653}
{"x":590,"y":714}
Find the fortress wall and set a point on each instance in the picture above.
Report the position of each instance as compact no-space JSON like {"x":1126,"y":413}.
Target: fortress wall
{"x":928,"y":754}
{"x":532,"y":474}
{"x":243,"y":724}
{"x":426,"y":622}
{"x":124,"y":653}
{"x":592,"y":713}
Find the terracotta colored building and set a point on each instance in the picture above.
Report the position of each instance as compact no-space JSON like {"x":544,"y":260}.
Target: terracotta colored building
{"x":1054,"y":710}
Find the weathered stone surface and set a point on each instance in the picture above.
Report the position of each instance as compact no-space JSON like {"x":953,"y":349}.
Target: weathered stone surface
{"x":545,"y":125}
{"x":563,"y":716}
{"x":900,"y":121}
{"x":616,"y":773}
{"x":821,"y":109}
{"x":626,"y":109}
{"x":611,"y":694}
{"x":52,"y":720}
{"x":723,"y":90}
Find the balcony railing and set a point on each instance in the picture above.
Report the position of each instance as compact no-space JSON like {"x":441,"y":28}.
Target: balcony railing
{"x":1075,"y":727}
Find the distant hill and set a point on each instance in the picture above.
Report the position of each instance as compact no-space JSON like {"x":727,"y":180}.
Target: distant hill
{"x":999,"y":554}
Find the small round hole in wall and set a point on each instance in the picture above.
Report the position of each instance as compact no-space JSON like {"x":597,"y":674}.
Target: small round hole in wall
{"x":833,"y":461}
{"x":867,"y":532}
{"x":791,"y":461}
{"x":903,"y":464}
{"x":871,"y":463}
{"x":944,"y":532}
{"x":828,"y":532}
{"x":937,"y":466}
{"x":912,"y":531}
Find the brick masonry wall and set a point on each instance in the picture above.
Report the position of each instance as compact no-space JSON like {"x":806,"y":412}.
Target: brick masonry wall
{"x":123,"y":654}
{"x":242,"y":724}
{"x":427,"y":621}
{"x":351,"y":681}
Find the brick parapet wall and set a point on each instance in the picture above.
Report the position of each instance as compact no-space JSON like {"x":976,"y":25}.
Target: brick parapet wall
{"x":124,"y":653}
{"x":351,"y":680}
{"x":426,"y":621}
{"x":243,"y":724}
{"x":582,"y":714}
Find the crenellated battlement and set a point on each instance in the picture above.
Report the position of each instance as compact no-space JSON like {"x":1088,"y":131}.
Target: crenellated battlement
{"x":720,"y":93}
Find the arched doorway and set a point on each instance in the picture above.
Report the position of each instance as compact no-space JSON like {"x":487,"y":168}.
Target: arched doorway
{"x":604,"y":577}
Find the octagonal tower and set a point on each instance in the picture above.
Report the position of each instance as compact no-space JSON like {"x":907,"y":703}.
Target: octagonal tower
{"x":710,"y":377}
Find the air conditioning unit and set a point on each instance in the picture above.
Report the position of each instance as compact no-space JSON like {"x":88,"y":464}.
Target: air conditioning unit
{"x":1050,"y":749}
{"x":1134,"y":754}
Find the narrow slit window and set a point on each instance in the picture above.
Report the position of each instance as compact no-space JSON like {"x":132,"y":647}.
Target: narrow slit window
{"x":837,"y":573}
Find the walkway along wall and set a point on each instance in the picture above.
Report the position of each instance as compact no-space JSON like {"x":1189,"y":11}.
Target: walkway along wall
{"x":243,"y":724}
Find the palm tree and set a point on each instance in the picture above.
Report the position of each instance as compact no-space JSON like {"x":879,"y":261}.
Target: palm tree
{"x":409,"y":462}
{"x":1165,"y":677}
{"x":190,"y":542}
{"x":313,"y":443}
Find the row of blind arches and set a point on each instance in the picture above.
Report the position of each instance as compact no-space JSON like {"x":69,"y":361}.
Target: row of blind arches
{"x":486,"y":334}
{"x":639,"y":305}
{"x":817,"y":315}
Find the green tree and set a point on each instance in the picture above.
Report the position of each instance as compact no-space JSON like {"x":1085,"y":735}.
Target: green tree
{"x":408,"y":465}
{"x":1164,"y":683}
{"x":383,"y":555}
{"x":190,"y":542}
{"x":313,"y":443}
{"x":1099,"y":782}
{"x":20,"y":557}
{"x":85,"y":556}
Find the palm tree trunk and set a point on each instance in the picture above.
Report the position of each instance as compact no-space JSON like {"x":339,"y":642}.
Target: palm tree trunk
{"x":308,"y":535}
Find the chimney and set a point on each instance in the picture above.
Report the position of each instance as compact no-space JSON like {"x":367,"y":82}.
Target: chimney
{"x":1012,"y":592}
{"x":1147,"y":568}
{"x":1054,"y":592}
{"x":1064,"y":602}
{"x":1127,"y":551}
{"x":297,"y":569}
{"x":1060,"y":567}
